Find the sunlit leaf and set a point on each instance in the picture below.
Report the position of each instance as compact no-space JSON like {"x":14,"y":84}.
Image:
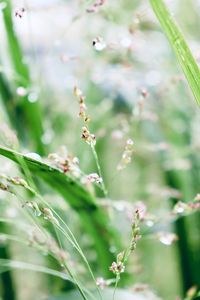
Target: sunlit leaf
{"x":179,"y":45}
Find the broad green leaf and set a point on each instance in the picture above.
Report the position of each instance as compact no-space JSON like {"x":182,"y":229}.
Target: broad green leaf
{"x":107,"y":295}
{"x":179,"y":45}
{"x":94,"y":220}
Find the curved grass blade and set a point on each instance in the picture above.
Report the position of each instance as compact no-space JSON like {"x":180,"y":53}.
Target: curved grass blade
{"x":94,"y":220}
{"x":179,"y":45}
{"x":7,"y":264}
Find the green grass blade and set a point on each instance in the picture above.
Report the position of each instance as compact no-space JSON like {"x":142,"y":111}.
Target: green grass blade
{"x":94,"y":220}
{"x":179,"y":45}
{"x":7,"y":290}
{"x":8,"y":264}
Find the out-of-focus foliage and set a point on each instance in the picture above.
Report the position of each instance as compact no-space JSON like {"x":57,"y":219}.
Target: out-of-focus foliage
{"x":118,"y":55}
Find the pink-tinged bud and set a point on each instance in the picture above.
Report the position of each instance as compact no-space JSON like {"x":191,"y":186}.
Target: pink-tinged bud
{"x":117,"y":268}
{"x":21,"y":91}
{"x":64,"y":58}
{"x":144,"y":92}
{"x":96,"y":4}
{"x":81,"y":100}
{"x":197,"y":198}
{"x":87,"y":119}
{"x":167,"y":238}
{"x":94,"y":177}
{"x":83,"y":107}
{"x":102,"y":283}
{"x":130,"y":142}
{"x":91,"y":9}
{"x":93,"y":140}
{"x":75,"y":160}
{"x":19,"y":12}
{"x":120,"y":256}
{"x":191,"y":293}
{"x":77,"y":91}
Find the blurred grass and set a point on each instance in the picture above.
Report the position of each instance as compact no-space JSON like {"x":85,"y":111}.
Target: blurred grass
{"x":26,"y":116}
{"x":112,"y":80}
{"x":94,"y":221}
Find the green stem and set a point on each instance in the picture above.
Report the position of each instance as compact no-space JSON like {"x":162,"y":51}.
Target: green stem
{"x":99,"y":169}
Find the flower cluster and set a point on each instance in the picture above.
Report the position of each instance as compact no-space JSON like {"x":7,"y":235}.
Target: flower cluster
{"x":99,"y":44}
{"x":118,"y":267}
{"x":46,"y":212}
{"x":167,"y":238}
{"x":13,"y":180}
{"x":48,"y":215}
{"x":102,"y":283}
{"x":82,"y":105}
{"x":17,"y":181}
{"x":3,"y":187}
{"x":126,"y":156}
{"x":94,"y":177}
{"x":135,"y":230}
{"x":86,"y":135}
{"x":66,"y":161}
{"x":19,"y":12}
{"x":33,"y":205}
{"x":94,"y":7}
{"x":181,"y":207}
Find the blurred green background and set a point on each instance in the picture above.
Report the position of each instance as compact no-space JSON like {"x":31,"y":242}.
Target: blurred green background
{"x":47,"y":52}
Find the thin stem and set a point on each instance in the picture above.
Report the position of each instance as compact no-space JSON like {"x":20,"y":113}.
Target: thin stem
{"x":99,"y":169}
{"x":71,"y":239}
{"x":116,"y":283}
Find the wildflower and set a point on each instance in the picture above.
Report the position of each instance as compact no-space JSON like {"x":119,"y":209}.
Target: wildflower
{"x":68,"y":163}
{"x":99,"y":44}
{"x":21,"y":91}
{"x":75,"y":160}
{"x":94,"y":177}
{"x":140,"y":287}
{"x":88,"y":137}
{"x":126,"y":156}
{"x":48,"y":215}
{"x":3,"y":187}
{"x":94,"y":8}
{"x":120,"y":256}
{"x":102,"y":283}
{"x":77,"y":91}
{"x":167,"y":238}
{"x":33,"y":205}
{"x":91,"y":9}
{"x":180,"y":207}
{"x":117,"y":268}
{"x":144,"y":93}
{"x":19,"y":12}
{"x":17,"y":181}
{"x":197,"y":198}
{"x":87,"y":120}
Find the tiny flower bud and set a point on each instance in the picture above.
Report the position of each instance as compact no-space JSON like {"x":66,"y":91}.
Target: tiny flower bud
{"x":87,"y":120}
{"x":77,"y":91}
{"x":120,"y":256}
